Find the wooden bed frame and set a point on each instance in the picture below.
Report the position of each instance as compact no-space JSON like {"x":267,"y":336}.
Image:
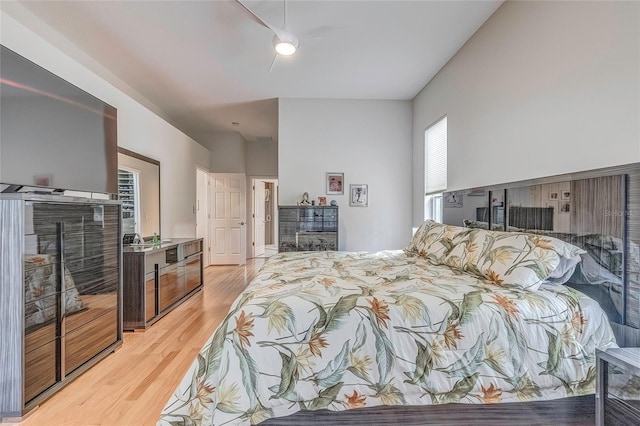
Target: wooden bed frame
{"x":576,"y":411}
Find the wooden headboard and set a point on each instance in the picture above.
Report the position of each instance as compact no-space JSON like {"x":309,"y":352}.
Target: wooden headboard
{"x":597,"y":210}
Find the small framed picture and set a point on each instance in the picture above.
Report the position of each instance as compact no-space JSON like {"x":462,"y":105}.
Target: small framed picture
{"x":359,"y":195}
{"x":566,"y":195}
{"x":322,"y":201}
{"x":565,"y":208}
{"x":553,"y":196}
{"x":453,"y":199}
{"x":335,"y":183}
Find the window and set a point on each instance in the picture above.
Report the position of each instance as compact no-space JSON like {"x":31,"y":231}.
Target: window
{"x":129,"y":194}
{"x":435,"y":168}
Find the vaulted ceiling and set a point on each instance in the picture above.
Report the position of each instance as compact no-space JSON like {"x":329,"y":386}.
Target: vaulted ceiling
{"x":205,"y":64}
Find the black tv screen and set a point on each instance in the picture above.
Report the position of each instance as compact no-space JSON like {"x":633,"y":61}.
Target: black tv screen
{"x":52,"y":133}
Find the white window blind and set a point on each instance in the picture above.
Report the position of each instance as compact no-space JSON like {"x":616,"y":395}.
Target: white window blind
{"x":435,"y":141}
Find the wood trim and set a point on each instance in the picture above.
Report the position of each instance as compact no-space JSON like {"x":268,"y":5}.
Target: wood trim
{"x":125,"y":151}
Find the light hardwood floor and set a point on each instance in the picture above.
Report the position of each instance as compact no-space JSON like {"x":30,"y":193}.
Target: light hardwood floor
{"x":132,"y":385}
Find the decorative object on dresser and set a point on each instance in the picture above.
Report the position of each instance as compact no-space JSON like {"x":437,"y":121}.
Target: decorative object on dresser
{"x":158,"y":277}
{"x":308,"y":228}
{"x":618,"y":387}
{"x":305,"y":200}
{"x":60,"y":293}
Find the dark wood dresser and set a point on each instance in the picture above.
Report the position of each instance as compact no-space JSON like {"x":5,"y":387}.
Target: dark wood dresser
{"x":157,"y":278}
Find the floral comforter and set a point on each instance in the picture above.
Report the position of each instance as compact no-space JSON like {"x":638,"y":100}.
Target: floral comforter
{"x":341,"y":330}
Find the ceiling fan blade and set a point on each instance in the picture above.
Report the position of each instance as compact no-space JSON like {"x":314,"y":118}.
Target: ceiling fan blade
{"x":280,"y":33}
{"x":275,"y":57}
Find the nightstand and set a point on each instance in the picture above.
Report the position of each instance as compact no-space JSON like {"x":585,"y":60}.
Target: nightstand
{"x":618,"y":387}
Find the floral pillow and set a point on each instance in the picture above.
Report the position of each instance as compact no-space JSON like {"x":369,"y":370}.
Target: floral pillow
{"x":434,"y":241}
{"x":513,"y":258}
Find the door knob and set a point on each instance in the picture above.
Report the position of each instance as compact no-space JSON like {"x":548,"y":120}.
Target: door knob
{"x":241,"y":223}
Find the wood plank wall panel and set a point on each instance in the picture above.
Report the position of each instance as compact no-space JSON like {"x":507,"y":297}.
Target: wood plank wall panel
{"x":11,"y":302}
{"x":598,"y":204}
{"x":632,"y":215}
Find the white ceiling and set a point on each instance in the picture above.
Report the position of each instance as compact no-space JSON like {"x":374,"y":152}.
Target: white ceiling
{"x":204,"y":64}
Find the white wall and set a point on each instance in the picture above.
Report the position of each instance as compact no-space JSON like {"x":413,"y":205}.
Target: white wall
{"x":370,"y":141}
{"x":139,"y":130}
{"x":261,"y":162}
{"x":231,"y":153}
{"x":262,"y":158}
{"x":228,"y":152}
{"x":543,"y":88}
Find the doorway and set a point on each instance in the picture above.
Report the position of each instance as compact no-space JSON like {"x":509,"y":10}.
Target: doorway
{"x":264,"y":239}
{"x":228,"y":218}
{"x":202,"y":213}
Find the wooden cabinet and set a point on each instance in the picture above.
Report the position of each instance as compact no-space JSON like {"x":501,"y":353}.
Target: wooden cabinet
{"x":170,"y":286}
{"x":193,"y":272}
{"x":311,"y":228}
{"x":60,"y":293}
{"x":157,"y":279}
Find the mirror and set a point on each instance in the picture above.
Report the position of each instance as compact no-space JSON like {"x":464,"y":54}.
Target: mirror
{"x":544,"y":207}
{"x":139,"y":190}
{"x":460,"y":207}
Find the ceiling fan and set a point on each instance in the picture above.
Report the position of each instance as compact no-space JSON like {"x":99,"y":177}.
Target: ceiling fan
{"x":284,"y":42}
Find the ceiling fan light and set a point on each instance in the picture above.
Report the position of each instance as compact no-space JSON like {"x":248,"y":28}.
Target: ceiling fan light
{"x":285,"y":47}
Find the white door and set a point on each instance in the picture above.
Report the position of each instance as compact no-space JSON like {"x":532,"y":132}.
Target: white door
{"x":259,"y":217}
{"x":202,"y":213}
{"x":228,"y":210}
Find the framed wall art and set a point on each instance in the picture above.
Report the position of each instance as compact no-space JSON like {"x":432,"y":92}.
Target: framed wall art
{"x":359,"y":195}
{"x":453,"y":199}
{"x":335,"y":183}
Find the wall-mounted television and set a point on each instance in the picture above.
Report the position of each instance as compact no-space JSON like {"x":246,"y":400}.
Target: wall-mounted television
{"x":52,"y":133}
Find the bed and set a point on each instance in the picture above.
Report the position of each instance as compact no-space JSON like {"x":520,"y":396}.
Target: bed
{"x":461,"y":315}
